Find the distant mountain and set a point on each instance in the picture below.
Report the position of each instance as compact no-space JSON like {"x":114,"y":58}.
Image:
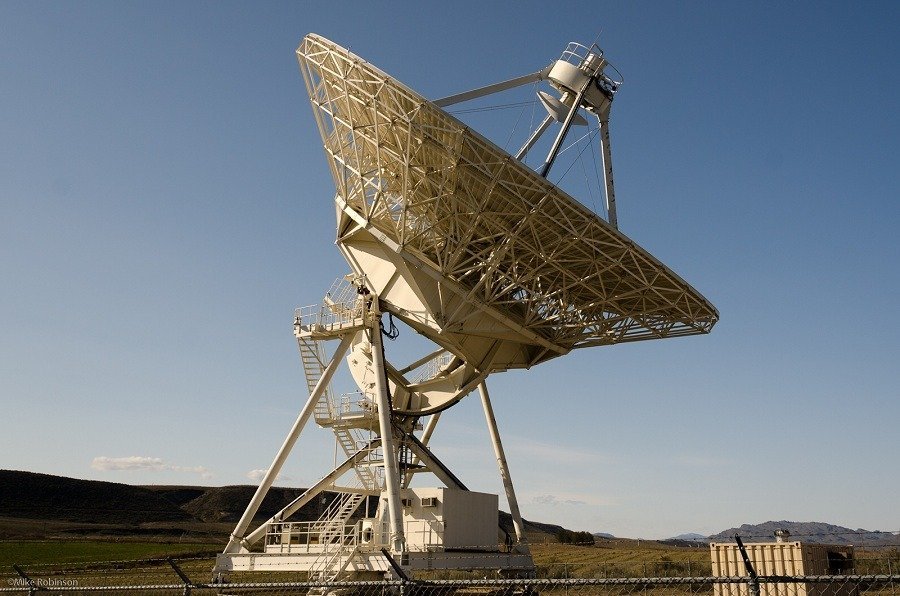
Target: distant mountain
{"x":227,"y":503}
{"x":815,"y":532}
{"x":535,"y":531}
{"x":42,"y":496}
{"x":691,"y":537}
{"x":41,"y":505}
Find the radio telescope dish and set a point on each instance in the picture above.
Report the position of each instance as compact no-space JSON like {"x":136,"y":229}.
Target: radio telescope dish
{"x":481,"y":255}
{"x":467,"y":244}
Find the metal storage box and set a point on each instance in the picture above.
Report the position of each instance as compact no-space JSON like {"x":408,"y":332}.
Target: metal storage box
{"x":783,"y":558}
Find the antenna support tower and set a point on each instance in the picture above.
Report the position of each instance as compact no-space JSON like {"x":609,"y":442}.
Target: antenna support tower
{"x":484,"y":257}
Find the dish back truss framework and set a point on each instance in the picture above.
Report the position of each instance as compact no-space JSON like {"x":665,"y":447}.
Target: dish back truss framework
{"x":476,"y":252}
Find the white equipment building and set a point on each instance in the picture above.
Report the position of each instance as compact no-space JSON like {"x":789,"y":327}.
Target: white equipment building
{"x":481,"y":255}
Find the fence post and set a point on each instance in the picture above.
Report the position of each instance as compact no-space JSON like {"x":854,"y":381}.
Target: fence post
{"x":891,"y":573}
{"x":187,"y":581}
{"x":32,"y":588}
{"x":753,"y":580}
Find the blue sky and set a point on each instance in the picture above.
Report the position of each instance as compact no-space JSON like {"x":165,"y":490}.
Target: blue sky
{"x":165,"y":205}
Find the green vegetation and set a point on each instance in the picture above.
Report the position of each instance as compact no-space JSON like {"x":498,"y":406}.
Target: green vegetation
{"x":62,"y":552}
{"x":570,"y":537}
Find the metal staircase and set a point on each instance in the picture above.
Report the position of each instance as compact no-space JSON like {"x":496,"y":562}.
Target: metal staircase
{"x":343,"y":311}
{"x":312,"y":354}
{"x":328,"y":567}
{"x":339,"y":512}
{"x":337,"y":538}
{"x":327,"y":411}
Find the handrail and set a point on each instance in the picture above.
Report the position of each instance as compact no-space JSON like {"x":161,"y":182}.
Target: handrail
{"x":432,"y":368}
{"x":577,"y":55}
{"x":345,"y":304}
{"x":422,"y":535}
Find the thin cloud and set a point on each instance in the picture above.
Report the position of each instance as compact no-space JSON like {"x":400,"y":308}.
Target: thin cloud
{"x":257,"y":475}
{"x":555,"y":501}
{"x":569,"y":499}
{"x":556,"y":454}
{"x":145,"y":464}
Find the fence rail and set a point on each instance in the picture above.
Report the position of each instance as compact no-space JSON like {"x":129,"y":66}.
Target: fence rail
{"x":828,"y":585}
{"x":556,"y":574}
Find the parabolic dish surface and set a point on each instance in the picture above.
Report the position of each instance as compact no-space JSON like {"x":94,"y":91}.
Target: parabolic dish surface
{"x":514,"y":242}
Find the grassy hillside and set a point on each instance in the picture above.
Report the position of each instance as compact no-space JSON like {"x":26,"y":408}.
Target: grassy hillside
{"x":88,"y":551}
{"x":42,"y":496}
{"x":37,"y":506}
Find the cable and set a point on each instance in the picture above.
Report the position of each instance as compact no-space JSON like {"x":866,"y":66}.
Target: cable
{"x":589,"y":133}
{"x":521,"y":112}
{"x":600,"y":185}
{"x":502,"y":106}
{"x":558,"y":180}
{"x":595,"y":204}
{"x":393,"y":331}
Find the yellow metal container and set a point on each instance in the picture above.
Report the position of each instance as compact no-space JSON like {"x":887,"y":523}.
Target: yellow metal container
{"x":783,"y":558}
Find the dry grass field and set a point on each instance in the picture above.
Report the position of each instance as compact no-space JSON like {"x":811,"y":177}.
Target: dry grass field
{"x":96,"y":562}
{"x":121,"y":563}
{"x":620,"y":558}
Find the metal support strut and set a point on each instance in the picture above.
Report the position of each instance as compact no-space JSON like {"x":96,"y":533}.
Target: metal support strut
{"x":234,"y":543}
{"x":518,"y":524}
{"x":608,"y":172}
{"x":388,"y":449}
{"x":313,"y":491}
{"x":534,"y":137}
{"x":554,"y":150}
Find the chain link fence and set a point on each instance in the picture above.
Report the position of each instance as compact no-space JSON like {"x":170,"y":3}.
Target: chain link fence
{"x":851,"y":585}
{"x":192,"y":576}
